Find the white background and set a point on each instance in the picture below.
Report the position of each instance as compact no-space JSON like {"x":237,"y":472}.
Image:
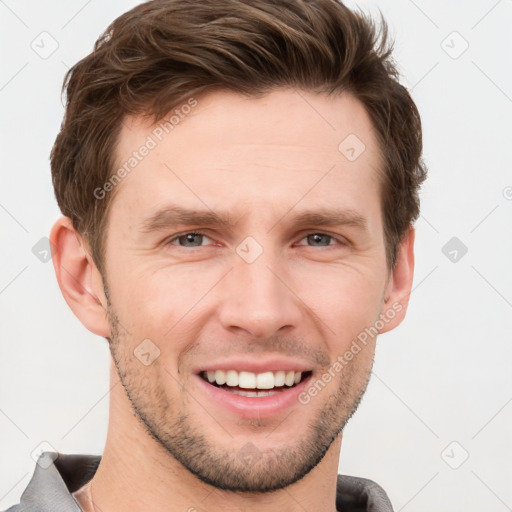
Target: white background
{"x":443,"y":376}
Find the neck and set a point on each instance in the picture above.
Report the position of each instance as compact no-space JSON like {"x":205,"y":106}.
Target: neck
{"x":136,"y":473}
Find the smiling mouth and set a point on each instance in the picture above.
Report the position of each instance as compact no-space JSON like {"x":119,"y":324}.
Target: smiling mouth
{"x":253,"y":385}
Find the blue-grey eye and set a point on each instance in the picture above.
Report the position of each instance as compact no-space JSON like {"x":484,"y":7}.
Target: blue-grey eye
{"x":319,"y":240}
{"x":190,"y":240}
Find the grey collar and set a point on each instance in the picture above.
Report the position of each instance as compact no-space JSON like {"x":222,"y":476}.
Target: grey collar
{"x":58,"y":475}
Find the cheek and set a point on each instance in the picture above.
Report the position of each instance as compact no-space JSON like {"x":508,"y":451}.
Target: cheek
{"x":162,"y":305}
{"x":346,"y":298}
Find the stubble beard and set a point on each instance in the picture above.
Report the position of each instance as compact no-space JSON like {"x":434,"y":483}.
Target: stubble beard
{"x":248,"y":469}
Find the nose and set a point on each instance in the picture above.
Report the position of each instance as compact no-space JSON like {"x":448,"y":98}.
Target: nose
{"x":258,"y":299}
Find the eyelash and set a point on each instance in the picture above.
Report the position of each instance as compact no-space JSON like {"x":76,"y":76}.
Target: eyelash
{"x":201,"y":233}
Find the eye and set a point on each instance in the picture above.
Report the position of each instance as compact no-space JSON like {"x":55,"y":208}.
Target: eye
{"x":193,"y":239}
{"x":320,"y":240}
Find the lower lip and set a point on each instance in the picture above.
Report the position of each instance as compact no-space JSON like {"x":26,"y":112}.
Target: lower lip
{"x":254,"y":407}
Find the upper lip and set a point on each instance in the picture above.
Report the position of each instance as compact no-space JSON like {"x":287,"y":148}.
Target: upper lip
{"x":260,"y":365}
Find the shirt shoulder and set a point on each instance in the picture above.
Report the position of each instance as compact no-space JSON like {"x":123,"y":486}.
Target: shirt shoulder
{"x":354,"y":494}
{"x":56,"y":476}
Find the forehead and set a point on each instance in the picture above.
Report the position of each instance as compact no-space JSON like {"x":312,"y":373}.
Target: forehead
{"x":222,"y":149}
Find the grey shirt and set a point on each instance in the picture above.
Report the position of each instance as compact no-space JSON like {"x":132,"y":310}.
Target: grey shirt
{"x":58,"y":475}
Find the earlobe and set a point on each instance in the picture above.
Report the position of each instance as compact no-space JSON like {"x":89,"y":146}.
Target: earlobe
{"x":397,"y":294}
{"x":79,"y":279}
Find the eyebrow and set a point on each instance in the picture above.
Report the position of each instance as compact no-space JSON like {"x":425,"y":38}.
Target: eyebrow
{"x":171,"y":216}
{"x":331,"y":218}
{"x":176,"y":215}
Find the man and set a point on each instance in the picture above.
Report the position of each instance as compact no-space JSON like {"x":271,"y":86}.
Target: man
{"x":239,"y":181}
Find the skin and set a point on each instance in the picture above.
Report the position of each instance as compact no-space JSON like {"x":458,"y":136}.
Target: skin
{"x":263,"y":162}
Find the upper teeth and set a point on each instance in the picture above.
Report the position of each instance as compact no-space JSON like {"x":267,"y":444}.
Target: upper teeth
{"x":249,"y":380}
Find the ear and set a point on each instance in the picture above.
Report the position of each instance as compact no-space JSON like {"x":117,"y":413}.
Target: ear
{"x":79,"y":280}
{"x":398,"y":290}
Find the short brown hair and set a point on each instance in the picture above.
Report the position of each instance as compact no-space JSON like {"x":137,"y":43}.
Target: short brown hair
{"x":163,"y":51}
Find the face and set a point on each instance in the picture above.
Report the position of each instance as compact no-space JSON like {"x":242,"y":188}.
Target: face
{"x":245,"y":253}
